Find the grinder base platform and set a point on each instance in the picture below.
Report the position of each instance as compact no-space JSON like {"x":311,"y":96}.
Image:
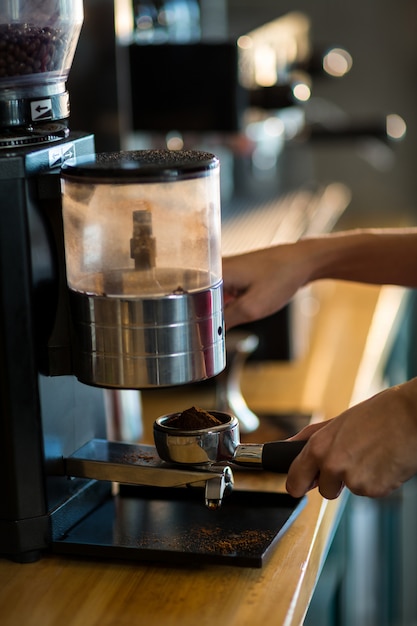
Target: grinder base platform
{"x":172,"y":525}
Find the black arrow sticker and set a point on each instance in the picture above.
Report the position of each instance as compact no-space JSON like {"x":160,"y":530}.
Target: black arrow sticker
{"x":41,"y":110}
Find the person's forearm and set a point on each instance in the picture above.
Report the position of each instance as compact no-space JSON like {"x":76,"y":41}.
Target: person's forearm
{"x":371,"y":256}
{"x":259,"y":283}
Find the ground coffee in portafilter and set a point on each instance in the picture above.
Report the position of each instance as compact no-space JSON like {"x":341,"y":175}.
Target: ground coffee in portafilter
{"x":193,"y":418}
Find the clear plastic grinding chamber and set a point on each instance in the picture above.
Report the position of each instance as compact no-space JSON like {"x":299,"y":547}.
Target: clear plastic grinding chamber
{"x":143,"y":259}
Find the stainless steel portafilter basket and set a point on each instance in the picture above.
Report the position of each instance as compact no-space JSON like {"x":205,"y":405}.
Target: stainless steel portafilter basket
{"x":221,"y":443}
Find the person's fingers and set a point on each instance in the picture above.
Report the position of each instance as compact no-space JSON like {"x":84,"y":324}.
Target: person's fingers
{"x":247,"y":307}
{"x":302,"y":475}
{"x":232,"y":314}
{"x":306,"y":432}
{"x":330,"y":486}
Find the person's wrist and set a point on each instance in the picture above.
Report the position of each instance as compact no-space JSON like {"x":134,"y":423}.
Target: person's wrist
{"x":408,"y":393}
{"x":311,"y":257}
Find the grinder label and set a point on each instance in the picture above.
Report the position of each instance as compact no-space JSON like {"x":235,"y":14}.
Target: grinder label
{"x":59,"y":154}
{"x":41,"y":109}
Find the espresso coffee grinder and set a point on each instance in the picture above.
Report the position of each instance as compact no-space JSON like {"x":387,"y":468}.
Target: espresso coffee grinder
{"x":110,"y":277}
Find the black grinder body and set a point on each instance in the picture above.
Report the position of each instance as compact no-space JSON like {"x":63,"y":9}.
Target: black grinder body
{"x":39,"y":397}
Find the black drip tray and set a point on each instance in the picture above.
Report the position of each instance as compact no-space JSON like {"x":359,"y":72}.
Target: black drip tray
{"x":173,"y":525}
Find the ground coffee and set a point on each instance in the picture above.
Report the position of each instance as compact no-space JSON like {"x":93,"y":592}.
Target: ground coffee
{"x":193,"y":418}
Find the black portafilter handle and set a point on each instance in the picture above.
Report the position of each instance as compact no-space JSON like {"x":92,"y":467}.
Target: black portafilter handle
{"x":277,"y":456}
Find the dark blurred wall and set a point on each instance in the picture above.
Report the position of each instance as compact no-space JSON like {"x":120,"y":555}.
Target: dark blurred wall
{"x":92,"y":82}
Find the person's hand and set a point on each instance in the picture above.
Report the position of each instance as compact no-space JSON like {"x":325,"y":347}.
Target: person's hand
{"x":258,"y":284}
{"x":371,"y":448}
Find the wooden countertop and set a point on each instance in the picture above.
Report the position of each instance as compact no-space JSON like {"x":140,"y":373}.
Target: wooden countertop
{"x":348,"y":340}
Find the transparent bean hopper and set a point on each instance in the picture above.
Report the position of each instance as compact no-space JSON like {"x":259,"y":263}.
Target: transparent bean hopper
{"x":143,"y":260}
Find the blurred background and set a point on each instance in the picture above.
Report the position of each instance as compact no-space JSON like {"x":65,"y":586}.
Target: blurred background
{"x":380,"y":38}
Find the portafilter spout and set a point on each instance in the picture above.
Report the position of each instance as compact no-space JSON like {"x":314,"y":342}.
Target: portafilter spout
{"x":137,"y":464}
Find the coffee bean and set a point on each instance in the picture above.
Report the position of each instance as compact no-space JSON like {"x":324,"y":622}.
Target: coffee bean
{"x":26,"y":49}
